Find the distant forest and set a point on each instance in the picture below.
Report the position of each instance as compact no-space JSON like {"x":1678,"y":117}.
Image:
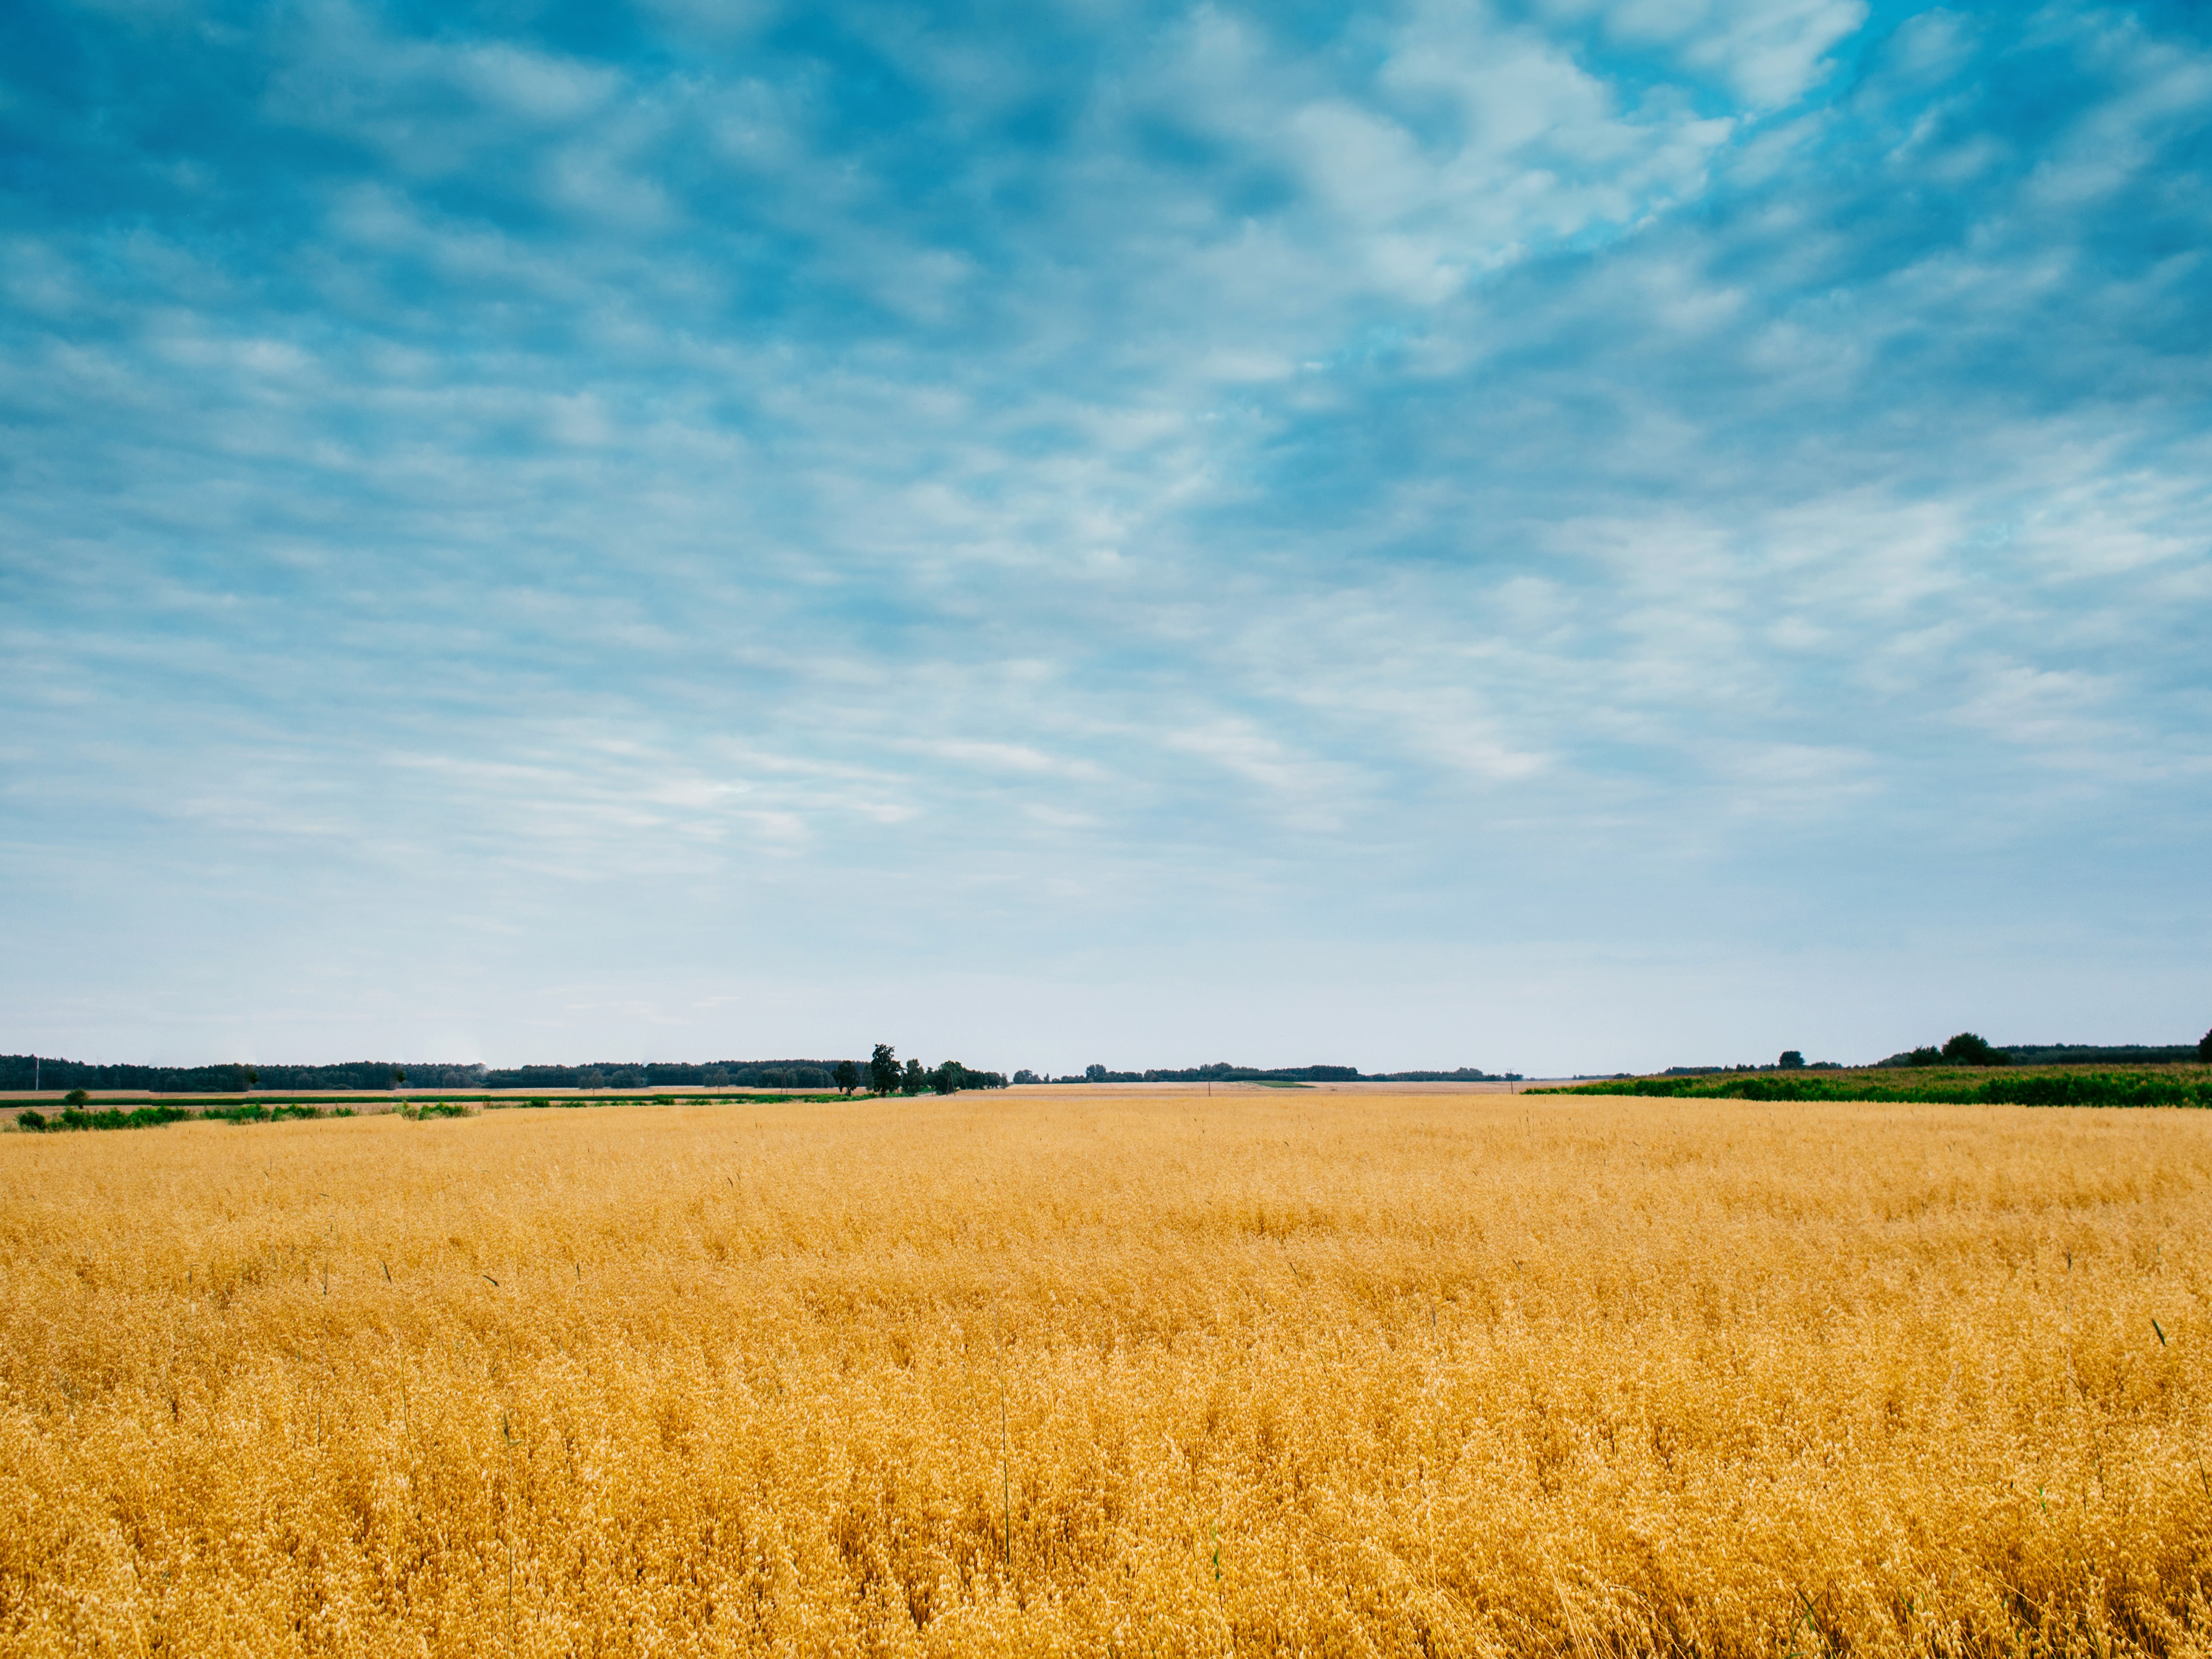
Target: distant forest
{"x":2072,"y":1054}
{"x":1223,"y":1071}
{"x":17,"y":1071}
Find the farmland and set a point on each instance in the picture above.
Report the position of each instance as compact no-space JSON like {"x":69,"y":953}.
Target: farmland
{"x":1089,"y":1372}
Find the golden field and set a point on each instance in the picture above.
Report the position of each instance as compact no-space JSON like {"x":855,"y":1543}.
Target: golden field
{"x":1075,"y":1372}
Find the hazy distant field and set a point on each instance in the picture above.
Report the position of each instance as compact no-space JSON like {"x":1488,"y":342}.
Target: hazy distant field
{"x":1095,"y":1374}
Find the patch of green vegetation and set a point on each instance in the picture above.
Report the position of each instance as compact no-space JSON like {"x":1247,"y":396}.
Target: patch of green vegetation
{"x":2164,"y":1087}
{"x":77,"y":1114}
{"x":72,"y":1117}
{"x":255,"y":1112}
{"x":150,"y":1117}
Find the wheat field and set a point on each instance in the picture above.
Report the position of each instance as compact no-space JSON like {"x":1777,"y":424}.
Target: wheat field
{"x":1076,"y":1372}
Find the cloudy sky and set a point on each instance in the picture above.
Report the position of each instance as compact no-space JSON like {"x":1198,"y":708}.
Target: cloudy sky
{"x":1559,"y":534}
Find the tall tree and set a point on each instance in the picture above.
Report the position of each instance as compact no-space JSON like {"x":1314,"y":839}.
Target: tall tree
{"x":883,"y":1070}
{"x":846,"y":1076}
{"x":1968,"y":1049}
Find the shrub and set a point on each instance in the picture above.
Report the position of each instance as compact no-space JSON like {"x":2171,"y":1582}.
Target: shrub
{"x":111,"y":1117}
{"x":75,"y":1118}
{"x":1967,"y":1050}
{"x":76,"y":1097}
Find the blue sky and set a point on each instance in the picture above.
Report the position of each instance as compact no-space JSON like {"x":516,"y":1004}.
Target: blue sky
{"x":1553,"y":535}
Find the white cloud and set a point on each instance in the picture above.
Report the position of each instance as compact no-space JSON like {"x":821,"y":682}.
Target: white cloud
{"x":1328,"y":486}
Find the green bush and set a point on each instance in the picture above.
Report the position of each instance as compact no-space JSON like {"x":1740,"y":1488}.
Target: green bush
{"x":113,"y":1117}
{"x":153,"y":1117}
{"x":1968,"y":1049}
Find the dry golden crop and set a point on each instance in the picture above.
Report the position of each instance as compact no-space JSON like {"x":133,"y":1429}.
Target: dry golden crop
{"x":1088,"y":1374}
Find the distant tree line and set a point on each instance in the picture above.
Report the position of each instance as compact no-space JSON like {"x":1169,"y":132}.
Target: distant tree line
{"x":1968,"y":1049}
{"x":26,"y":1072}
{"x":21,"y":1071}
{"x":1791,"y":1061}
{"x":1223,"y":1071}
{"x":885,"y":1075}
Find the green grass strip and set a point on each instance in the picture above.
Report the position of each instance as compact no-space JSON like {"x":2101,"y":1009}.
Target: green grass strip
{"x":2017,"y":1088}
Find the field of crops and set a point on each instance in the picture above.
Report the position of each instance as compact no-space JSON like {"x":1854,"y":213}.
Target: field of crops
{"x":1092,"y":1374}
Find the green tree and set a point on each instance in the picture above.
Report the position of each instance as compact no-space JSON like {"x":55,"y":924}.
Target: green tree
{"x":914,"y":1079}
{"x":2205,"y":1049}
{"x":846,"y":1076}
{"x":1967,"y":1050}
{"x":1791,"y":1061}
{"x":76,"y":1097}
{"x":947,"y":1079}
{"x":883,"y":1070}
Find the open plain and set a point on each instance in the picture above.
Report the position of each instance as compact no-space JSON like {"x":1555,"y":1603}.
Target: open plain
{"x":1092,"y":1371}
